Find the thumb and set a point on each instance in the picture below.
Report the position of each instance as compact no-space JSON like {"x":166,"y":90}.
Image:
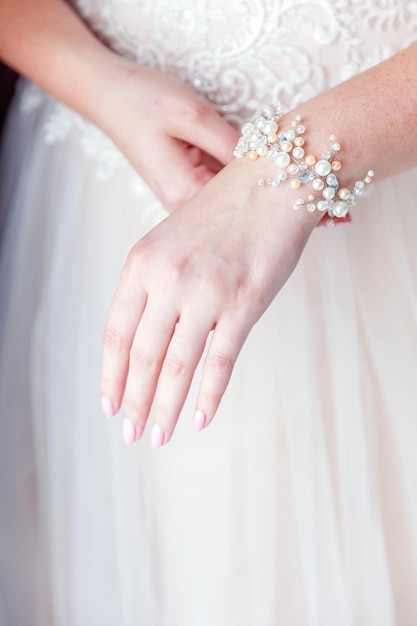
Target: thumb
{"x":213,"y":135}
{"x":187,"y":174}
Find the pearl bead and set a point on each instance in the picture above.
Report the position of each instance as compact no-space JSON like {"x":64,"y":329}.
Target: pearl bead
{"x":282,"y":159}
{"x":262,"y":150}
{"x":332,"y":137}
{"x":291,"y":135}
{"x":310,"y":197}
{"x":299,"y":141}
{"x":336,"y":165}
{"x":323,"y":167}
{"x":310,"y":159}
{"x":247,"y":129}
{"x":322,"y":205}
{"x":295,"y":183}
{"x":286,"y":146}
{"x":340,"y":209}
{"x":343,"y":193}
{"x":272,"y":138}
{"x":253,"y":155}
{"x":317,"y":184}
{"x":270,"y":127}
{"x":298,"y":153}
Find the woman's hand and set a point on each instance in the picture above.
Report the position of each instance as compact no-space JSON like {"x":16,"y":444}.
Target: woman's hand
{"x":215,"y":264}
{"x":172,"y":137}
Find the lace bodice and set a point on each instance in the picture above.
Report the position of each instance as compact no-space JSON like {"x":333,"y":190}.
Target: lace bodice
{"x":240,"y":54}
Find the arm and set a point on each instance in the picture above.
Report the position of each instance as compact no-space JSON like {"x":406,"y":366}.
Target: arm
{"x":219,"y":267}
{"x":46,"y":41}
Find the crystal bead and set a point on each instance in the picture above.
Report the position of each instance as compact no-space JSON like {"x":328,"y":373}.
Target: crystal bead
{"x":326,"y":155}
{"x":301,"y":129}
{"x":332,"y":181}
{"x":282,"y":137}
{"x":305,"y":177}
{"x":328,"y":193}
{"x":261,"y":182}
{"x":311,"y":207}
{"x":293,"y":169}
{"x":336,"y":147}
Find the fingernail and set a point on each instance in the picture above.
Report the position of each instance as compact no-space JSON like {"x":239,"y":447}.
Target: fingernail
{"x":199,"y":420}
{"x":107,"y":407}
{"x":157,"y":436}
{"x":129,"y":432}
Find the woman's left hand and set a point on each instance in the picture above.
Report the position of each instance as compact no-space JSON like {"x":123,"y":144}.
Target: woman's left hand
{"x":215,"y":264}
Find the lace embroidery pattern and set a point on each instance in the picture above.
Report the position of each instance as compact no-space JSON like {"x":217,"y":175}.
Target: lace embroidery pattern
{"x":237,"y":55}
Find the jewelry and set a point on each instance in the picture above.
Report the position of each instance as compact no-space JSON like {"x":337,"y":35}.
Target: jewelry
{"x":264,"y":138}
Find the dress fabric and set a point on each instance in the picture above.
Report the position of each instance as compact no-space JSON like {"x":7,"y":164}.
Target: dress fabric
{"x":298,"y":506}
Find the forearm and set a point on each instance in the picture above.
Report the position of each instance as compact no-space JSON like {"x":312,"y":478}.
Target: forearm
{"x":47,"y":42}
{"x":374,"y":117}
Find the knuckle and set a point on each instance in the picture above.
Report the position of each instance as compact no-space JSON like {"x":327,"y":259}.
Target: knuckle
{"x":137,"y":259}
{"x":140,"y":361}
{"x":194,"y":111}
{"x":221,"y":362}
{"x":174,"y":366}
{"x":113,"y":340}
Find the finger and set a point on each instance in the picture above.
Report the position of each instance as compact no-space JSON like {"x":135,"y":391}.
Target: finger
{"x":181,"y":360}
{"x":206,"y":129}
{"x":147,"y":354}
{"x":125,"y":311}
{"x":187,"y":173}
{"x":226,"y":343}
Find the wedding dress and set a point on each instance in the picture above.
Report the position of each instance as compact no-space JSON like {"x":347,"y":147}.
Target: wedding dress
{"x":298,"y":506}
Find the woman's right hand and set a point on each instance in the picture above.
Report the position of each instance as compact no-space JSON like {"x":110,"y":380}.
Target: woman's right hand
{"x":173,"y":138}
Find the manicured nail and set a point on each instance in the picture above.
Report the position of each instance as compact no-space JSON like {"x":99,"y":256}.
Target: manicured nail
{"x":129,"y":432}
{"x":157,"y":436}
{"x":107,"y":407}
{"x":199,"y":420}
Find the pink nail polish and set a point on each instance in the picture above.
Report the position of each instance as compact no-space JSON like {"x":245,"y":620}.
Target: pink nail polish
{"x":199,"y":420}
{"x":129,"y":432}
{"x":157,"y":436}
{"x":107,"y":407}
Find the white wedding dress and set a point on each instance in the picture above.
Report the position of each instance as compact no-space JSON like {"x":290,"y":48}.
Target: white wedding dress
{"x":298,"y":506}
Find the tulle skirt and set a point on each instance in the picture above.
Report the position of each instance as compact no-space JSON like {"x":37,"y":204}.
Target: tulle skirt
{"x":298,"y":506}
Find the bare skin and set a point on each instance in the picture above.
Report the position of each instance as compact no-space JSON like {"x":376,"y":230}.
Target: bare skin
{"x":217,"y":262}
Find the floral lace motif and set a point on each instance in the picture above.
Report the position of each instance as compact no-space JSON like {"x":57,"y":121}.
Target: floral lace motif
{"x":238,"y":55}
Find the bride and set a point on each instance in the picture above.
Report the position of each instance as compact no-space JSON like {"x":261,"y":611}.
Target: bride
{"x":283,"y":486}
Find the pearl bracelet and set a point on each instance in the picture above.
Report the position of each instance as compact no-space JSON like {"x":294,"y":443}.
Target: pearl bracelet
{"x":264,"y":138}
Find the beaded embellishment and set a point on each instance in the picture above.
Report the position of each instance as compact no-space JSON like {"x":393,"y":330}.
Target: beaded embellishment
{"x":264,"y":138}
